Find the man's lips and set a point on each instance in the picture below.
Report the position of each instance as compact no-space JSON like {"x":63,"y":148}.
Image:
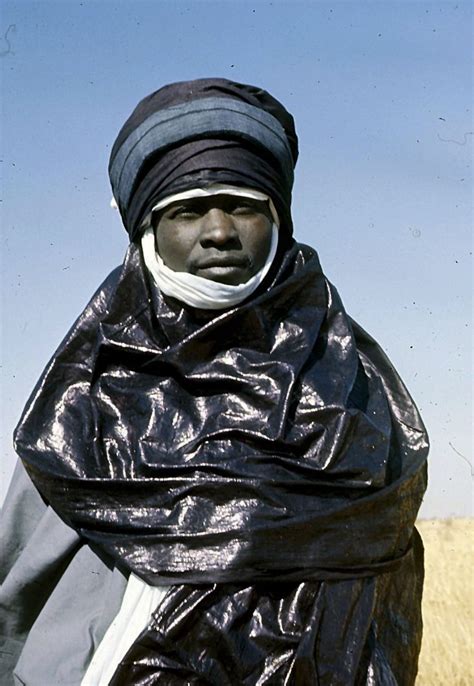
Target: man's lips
{"x":224,"y":261}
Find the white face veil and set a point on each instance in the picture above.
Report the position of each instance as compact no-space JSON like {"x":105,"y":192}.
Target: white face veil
{"x":195,"y":290}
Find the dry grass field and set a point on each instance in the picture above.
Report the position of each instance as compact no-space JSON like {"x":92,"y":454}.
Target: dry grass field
{"x":447,"y":655}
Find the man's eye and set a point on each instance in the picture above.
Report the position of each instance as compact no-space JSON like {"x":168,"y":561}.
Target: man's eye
{"x":244,"y":209}
{"x":184,"y":213}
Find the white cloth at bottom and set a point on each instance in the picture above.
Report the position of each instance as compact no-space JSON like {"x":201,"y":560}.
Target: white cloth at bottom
{"x":139,"y":602}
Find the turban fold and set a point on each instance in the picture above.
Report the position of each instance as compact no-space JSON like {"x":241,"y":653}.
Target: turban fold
{"x":196,"y":133}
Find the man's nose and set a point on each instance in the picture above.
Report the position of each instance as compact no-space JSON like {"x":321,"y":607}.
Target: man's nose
{"x":218,"y":228}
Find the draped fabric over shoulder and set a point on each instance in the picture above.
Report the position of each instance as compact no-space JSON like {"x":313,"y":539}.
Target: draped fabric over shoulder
{"x":265,"y":461}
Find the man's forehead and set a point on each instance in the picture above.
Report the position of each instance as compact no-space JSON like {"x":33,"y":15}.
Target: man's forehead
{"x":221,"y":200}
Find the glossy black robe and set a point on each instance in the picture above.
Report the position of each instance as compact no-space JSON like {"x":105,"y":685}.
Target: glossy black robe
{"x":266,"y":462}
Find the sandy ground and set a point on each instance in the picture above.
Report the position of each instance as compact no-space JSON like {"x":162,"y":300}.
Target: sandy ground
{"x":447,"y":655}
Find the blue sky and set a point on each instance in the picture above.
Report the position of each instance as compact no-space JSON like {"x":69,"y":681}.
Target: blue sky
{"x":381,"y":93}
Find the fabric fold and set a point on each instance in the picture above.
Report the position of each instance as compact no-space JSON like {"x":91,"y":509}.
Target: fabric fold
{"x":240,"y":454}
{"x":216,"y":456}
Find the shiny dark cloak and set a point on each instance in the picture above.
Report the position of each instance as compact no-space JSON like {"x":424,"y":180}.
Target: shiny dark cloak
{"x":267,"y":463}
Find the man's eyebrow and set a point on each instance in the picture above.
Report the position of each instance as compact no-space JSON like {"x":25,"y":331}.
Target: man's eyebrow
{"x":185,"y":202}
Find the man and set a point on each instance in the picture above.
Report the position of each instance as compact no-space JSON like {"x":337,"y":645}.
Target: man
{"x":229,"y":467}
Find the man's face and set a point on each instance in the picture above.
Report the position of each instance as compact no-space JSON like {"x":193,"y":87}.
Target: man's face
{"x":224,"y":238}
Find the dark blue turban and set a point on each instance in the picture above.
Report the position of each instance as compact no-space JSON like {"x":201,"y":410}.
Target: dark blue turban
{"x":196,"y":133}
